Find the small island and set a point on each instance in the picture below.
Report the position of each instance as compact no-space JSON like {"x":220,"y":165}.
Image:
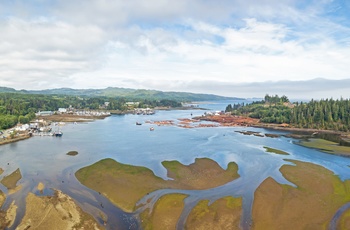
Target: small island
{"x":72,"y":153}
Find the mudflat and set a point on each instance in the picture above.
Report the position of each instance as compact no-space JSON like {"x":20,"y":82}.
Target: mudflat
{"x":310,"y":205}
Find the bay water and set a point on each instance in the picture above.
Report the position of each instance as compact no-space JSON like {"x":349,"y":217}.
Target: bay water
{"x":44,"y":159}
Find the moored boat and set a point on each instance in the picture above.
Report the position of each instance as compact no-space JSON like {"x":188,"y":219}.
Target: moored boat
{"x":57,"y":134}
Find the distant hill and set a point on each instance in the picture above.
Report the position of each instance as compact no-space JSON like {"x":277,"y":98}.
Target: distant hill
{"x":125,"y":93}
{"x":7,"y":90}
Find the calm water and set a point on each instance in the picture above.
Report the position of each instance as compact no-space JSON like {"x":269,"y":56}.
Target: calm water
{"x":44,"y":159}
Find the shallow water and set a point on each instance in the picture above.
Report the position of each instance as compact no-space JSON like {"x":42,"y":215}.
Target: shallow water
{"x":44,"y":159}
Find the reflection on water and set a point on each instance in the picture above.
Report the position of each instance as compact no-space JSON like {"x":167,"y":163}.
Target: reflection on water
{"x":44,"y":159}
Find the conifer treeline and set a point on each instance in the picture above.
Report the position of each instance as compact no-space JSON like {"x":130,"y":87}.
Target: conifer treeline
{"x":21,"y":108}
{"x":323,"y":114}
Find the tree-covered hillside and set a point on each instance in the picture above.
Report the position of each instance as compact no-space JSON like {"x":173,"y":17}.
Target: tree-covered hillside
{"x":323,"y":114}
{"x":19,"y":107}
{"x":131,"y":94}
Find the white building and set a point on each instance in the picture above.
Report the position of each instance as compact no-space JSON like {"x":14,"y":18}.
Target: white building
{"x":62,"y":110}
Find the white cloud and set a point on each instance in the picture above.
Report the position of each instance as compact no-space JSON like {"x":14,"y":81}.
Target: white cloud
{"x":42,"y":49}
{"x":169,"y":44}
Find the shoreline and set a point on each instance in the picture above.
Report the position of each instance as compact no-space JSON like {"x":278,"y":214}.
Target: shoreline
{"x":230,"y":120}
{"x":52,"y":118}
{"x":221,"y":120}
{"x":15,"y":139}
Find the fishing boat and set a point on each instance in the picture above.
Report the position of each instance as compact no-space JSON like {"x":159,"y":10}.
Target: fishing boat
{"x":138,"y":123}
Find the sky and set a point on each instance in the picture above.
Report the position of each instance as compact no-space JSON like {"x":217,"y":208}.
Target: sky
{"x":243,"y":48}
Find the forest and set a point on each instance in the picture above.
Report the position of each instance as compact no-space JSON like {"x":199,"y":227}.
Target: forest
{"x":326,"y":114}
{"x":21,"y":108}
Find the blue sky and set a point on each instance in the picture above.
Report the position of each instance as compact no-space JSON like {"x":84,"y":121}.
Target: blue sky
{"x":219,"y":47}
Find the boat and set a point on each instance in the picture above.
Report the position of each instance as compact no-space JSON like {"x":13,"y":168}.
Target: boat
{"x":57,"y":134}
{"x":151,"y":129}
{"x":138,"y":123}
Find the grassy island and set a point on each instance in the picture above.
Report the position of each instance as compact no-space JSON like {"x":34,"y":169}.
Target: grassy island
{"x":125,"y":184}
{"x":10,"y":181}
{"x":225,"y":213}
{"x":344,"y":221}
{"x":311,"y":205}
{"x":277,"y":151}
{"x":326,"y":146}
{"x":165,"y":213}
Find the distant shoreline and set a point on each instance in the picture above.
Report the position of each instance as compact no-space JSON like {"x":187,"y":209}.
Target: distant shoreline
{"x":230,"y":120}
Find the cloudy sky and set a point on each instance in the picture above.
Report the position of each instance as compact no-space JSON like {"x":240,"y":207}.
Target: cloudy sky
{"x":240,"y":48}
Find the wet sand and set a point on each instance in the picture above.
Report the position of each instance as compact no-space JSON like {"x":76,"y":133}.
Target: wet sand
{"x":311,"y":205}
